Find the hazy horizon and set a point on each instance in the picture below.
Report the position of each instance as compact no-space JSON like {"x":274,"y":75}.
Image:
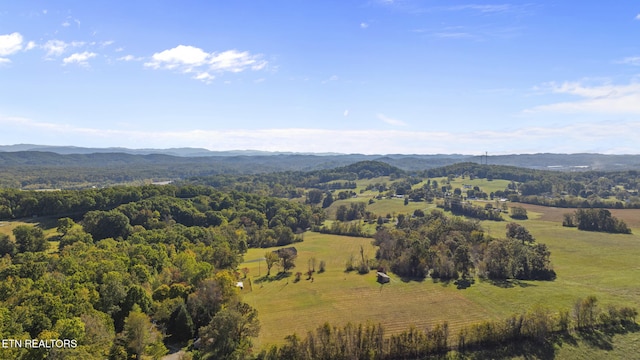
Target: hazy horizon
{"x":31,"y":147}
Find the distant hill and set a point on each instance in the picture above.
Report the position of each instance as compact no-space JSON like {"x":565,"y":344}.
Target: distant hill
{"x":23,"y":154}
{"x":40,"y":166}
{"x":183,"y":152}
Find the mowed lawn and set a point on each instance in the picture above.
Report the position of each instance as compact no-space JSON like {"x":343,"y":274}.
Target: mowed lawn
{"x":603,"y":265}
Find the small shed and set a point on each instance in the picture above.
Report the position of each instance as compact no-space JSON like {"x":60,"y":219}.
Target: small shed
{"x":240,"y":285}
{"x":383,"y":278}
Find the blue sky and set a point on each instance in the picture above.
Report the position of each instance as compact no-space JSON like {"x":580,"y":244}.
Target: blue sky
{"x":357,"y":76}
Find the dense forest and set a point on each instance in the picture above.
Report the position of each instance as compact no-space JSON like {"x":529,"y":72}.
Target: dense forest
{"x":136,"y":256}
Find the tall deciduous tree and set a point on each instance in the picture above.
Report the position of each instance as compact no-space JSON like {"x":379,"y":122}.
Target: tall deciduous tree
{"x":29,"y":238}
{"x":519,"y":232}
{"x":314,"y":196}
{"x":142,"y":337}
{"x":180,"y":324}
{"x":7,"y":246}
{"x":228,"y":335}
{"x":287,"y":260}
{"x":328,"y":200}
{"x":271,"y":258}
{"x":64,"y":225}
{"x":106,"y":224}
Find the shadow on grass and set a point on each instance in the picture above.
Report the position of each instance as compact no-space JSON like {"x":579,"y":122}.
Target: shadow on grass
{"x":279,"y":276}
{"x":603,"y":338}
{"x":464,"y":283}
{"x":598,"y":339}
{"x":520,"y":349}
{"x":530,"y":349}
{"x":461,"y":283}
{"x":407,"y":279}
{"x":565,"y":338}
{"x":510,"y":283}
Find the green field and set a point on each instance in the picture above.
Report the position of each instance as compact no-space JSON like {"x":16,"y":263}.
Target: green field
{"x":587,"y":263}
{"x":48,"y":225}
{"x":483,"y":184}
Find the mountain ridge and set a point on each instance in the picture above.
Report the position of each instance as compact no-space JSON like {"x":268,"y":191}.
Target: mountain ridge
{"x":264,"y":161}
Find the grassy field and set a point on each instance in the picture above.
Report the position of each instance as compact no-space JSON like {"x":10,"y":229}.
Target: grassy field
{"x":339,"y":297}
{"x":47,"y":224}
{"x":484,"y":184}
{"x":603,"y":265}
{"x":393,"y":206}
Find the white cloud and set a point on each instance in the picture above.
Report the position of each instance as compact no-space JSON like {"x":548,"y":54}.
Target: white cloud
{"x":364,"y":25}
{"x":495,"y":8}
{"x":181,"y":55}
{"x":4,"y":61}
{"x":205,"y":76}
{"x":638,"y":17}
{"x":66,"y":24}
{"x":235,"y":61}
{"x":55,"y":47}
{"x":631,"y":60}
{"x":454,"y":35}
{"x":331,"y":78}
{"x":190,"y":59}
{"x":129,"y":58}
{"x":10,"y":44}
{"x":607,"y":98}
{"x":391,"y":121}
{"x":79,"y":58}
{"x":30,"y":45}
{"x":346,"y":113}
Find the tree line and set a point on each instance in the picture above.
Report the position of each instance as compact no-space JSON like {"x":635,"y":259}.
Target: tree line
{"x":369,"y":341}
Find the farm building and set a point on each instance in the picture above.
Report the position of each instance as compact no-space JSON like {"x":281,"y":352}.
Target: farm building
{"x":383,"y":278}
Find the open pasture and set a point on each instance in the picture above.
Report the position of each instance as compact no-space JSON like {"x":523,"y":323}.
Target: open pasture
{"x":599,"y":264}
{"x":337,"y":297}
{"x":382,"y":207}
{"x":47,"y":224}
{"x":396,"y":206}
{"x":458,"y":182}
{"x":484,"y":184}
